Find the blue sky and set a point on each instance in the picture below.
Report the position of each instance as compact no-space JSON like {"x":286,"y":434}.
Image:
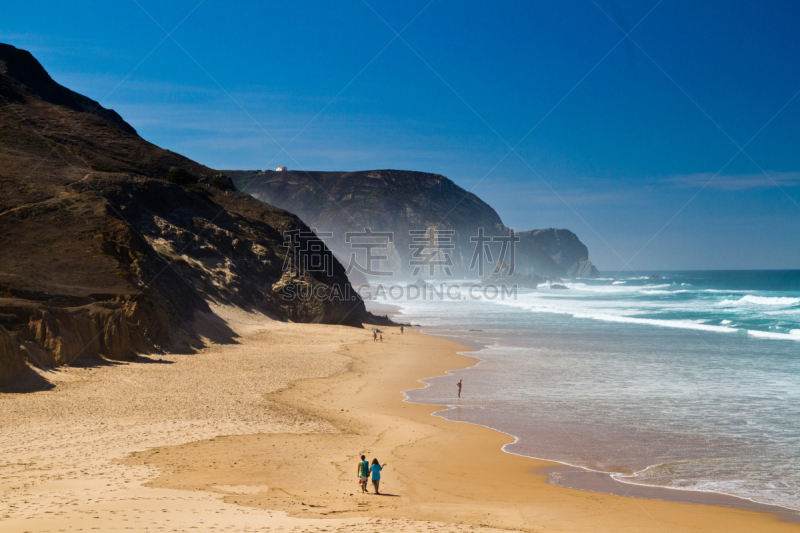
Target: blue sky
{"x":633,"y":143}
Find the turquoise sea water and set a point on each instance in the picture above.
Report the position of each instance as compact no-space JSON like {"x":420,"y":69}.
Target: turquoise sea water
{"x":690,"y":381}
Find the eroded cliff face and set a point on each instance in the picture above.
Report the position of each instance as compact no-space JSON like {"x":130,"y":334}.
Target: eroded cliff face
{"x":12,"y":362}
{"x":401,"y":201}
{"x":102,"y":257}
{"x":131,"y":273}
{"x":56,"y":336}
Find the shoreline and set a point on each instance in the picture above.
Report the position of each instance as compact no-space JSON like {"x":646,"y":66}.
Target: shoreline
{"x":265,"y":434}
{"x":583,"y":478}
{"x":438,"y":472}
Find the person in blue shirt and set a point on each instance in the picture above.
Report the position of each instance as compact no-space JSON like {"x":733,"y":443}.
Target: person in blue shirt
{"x":376,"y":468}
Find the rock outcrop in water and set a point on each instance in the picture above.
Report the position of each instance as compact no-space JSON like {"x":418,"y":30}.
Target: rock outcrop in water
{"x":400,"y":201}
{"x":102,"y":256}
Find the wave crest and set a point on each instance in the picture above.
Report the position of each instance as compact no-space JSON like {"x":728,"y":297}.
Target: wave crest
{"x":751,"y":299}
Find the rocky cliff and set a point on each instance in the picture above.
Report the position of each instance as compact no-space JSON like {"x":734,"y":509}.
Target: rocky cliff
{"x":553,"y":253}
{"x":383,"y":201}
{"x":12,"y":362}
{"x":111,"y":246}
{"x":403,"y":201}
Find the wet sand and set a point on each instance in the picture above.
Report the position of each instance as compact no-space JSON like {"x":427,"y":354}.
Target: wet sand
{"x":265,"y":434}
{"x":582,"y":479}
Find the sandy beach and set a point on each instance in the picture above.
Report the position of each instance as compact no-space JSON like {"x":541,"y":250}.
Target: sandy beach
{"x":265,"y":435}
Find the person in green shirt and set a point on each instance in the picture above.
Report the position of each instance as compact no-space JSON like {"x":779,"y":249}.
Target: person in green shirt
{"x":363,"y":473}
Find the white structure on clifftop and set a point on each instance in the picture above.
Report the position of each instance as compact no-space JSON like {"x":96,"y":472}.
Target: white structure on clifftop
{"x":280,"y":169}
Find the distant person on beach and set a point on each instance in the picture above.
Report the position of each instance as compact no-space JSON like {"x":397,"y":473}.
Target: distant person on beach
{"x":374,"y":336}
{"x":459,"y":388}
{"x":363,"y":473}
{"x":401,"y":329}
{"x":381,"y":338}
{"x":376,"y":468}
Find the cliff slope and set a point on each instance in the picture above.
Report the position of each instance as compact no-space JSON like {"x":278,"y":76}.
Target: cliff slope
{"x":101,"y":256}
{"x":402,"y":201}
{"x":384,"y":201}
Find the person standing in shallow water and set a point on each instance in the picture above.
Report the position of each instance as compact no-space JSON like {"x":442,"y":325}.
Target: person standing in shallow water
{"x":363,"y":473}
{"x":376,"y":468}
{"x":459,"y":388}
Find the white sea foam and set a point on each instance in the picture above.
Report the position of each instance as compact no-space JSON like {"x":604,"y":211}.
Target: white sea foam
{"x":614,"y":288}
{"x":681,"y":324}
{"x":619,"y":282}
{"x":657,"y":291}
{"x":727,"y":291}
{"x":651,"y":305}
{"x":767,"y":300}
{"x":794,"y":335}
{"x":761,"y":300}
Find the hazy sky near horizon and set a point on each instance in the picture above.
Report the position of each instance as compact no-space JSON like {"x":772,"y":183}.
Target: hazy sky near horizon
{"x":676,"y":147}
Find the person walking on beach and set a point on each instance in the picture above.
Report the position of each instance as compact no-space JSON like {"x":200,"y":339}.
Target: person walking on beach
{"x":401,"y":329}
{"x":459,"y":388}
{"x":381,"y":338}
{"x":374,"y":336}
{"x":363,"y":473}
{"x":376,"y":468}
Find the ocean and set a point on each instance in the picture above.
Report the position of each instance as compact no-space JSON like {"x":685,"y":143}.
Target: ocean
{"x":688,"y":380}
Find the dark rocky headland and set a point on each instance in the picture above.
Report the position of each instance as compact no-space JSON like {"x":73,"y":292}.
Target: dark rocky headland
{"x":111,"y":246}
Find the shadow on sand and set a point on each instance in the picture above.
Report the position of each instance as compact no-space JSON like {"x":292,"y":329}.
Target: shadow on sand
{"x":28,"y":381}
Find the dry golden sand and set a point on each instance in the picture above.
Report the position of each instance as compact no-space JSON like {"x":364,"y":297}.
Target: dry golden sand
{"x":63,"y":467}
{"x":264,"y":436}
